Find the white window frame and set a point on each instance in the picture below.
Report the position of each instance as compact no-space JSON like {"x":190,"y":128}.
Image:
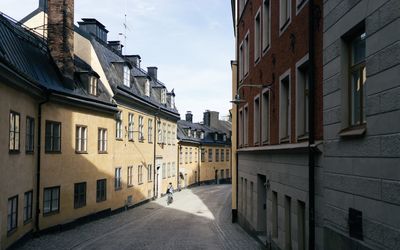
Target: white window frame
{"x":257,"y":36}
{"x":102,"y":140}
{"x":283,"y":138}
{"x":299,"y":115}
{"x":93,"y":85}
{"x":246,"y":54}
{"x":241,"y":61}
{"x":256,"y":120}
{"x":246,"y":125}
{"x":127,"y":76}
{"x":300,"y":5}
{"x":81,"y":135}
{"x":117,"y":178}
{"x":163,"y":96}
{"x":266,"y":21}
{"x":140,"y":128}
{"x":130,"y":176}
{"x":131,"y":126}
{"x":150,"y":130}
{"x":147,"y":88}
{"x":284,"y":24}
{"x":241,"y":131}
{"x":266,"y":139}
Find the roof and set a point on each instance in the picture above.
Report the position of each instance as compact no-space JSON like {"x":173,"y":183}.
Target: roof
{"x":209,"y":133}
{"x":109,"y":58}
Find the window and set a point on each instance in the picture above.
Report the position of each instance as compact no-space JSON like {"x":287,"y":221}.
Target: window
{"x":80,"y":195}
{"x":180,"y":155}
{"x":265,"y":117}
{"x":246,"y":55}
{"x":302,"y":100}
{"x":301,"y":225}
{"x":150,"y":131}
{"x":217,"y":154}
{"x":117,"y":179}
{"x":222,"y":154}
{"x":227,"y":155}
{"x":140,"y":174}
{"x":102,"y":141}
{"x":149,"y":172}
{"x":30,"y":132}
{"x":169,"y":169}
{"x":189,"y":132}
{"x":163,"y":171}
{"x":224,"y":138}
{"x":141,"y":134}
{"x":274,"y":214}
{"x":101,"y":190}
{"x":194,"y":134}
{"x":28,"y":197}
{"x":195,"y":155}
{"x":147,"y":88}
{"x":173,"y":169}
{"x":256,"y":117}
{"x":81,"y":139}
{"x":241,"y":131}
{"x":266,"y":25}
{"x":93,"y":83}
{"x":245,"y":126}
{"x":190,"y":155}
{"x":257,"y":36}
{"x":173,"y":135}
{"x":202,"y":135}
{"x":215,"y":136}
{"x":210,"y":154}
{"x":127,"y":77}
{"x":53,"y":137}
{"x":169,"y":135}
{"x":241,"y":61}
{"x":12,"y":215}
{"x":163,"y":96}
{"x":14,"y":132}
{"x":186,"y":155}
{"x":118,"y":127}
{"x":358,"y":77}
{"x":284,"y":10}
{"x":131,"y":124}
{"x":203,"y":155}
{"x":130,"y":176}
{"x":159,"y":133}
{"x":51,"y":200}
{"x":284,"y":109}
{"x":164,"y":134}
{"x":288,"y":223}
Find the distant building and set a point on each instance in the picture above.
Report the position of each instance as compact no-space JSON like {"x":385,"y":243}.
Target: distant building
{"x":204,"y":151}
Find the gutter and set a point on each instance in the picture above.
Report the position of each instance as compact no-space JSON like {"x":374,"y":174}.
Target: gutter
{"x":311,"y":124}
{"x":39,"y":145}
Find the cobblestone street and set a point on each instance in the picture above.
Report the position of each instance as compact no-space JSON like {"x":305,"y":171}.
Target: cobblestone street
{"x":199,"y":218}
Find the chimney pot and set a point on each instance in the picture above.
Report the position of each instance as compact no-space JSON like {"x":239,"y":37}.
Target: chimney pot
{"x":189,"y":116}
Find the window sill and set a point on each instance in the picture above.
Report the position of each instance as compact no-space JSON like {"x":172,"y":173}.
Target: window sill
{"x":81,"y":152}
{"x":77,"y":207}
{"x":14,"y":152}
{"x":118,"y":189}
{"x":103,"y":152}
{"x":257,"y":60}
{"x":284,"y":140}
{"x":131,"y":140}
{"x":30,"y":152}
{"x":283,"y":28}
{"x":265,"y":49}
{"x":28,"y":221}
{"x":353,"y":131}
{"x":52,"y":152}
{"x":11,"y":232}
{"x":129,"y":186}
{"x":100,"y":201}
{"x":119,"y":139}
{"x":51,"y":213}
{"x":302,"y":137}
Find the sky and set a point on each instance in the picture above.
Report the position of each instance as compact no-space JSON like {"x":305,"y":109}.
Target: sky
{"x":190,"y":41}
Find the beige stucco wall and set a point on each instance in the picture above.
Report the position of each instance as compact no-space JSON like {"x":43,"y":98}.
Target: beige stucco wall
{"x":17,"y":171}
{"x":189,"y":168}
{"x":207,"y":168}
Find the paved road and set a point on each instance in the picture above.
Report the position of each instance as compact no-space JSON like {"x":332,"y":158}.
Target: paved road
{"x":199,"y":218}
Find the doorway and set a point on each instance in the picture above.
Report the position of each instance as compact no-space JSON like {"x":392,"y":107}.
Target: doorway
{"x":159,"y":183}
{"x":262,"y":206}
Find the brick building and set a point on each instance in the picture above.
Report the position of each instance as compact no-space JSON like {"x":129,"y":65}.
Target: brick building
{"x":279,"y":95}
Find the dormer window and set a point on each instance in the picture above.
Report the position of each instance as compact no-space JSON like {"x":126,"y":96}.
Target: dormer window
{"x":172,"y":101}
{"x":215,"y":136}
{"x":194,"y":134}
{"x":189,"y":132}
{"x":224,"y":137}
{"x":163,"y":96}
{"x":127,"y":77}
{"x":202,"y":135}
{"x":93,"y":85}
{"x":147,"y":88}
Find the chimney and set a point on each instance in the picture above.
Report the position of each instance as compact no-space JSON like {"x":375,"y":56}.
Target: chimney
{"x":134,"y":60}
{"x":211,"y":118}
{"x":43,"y":5}
{"x":61,"y":37}
{"x":94,"y":27}
{"x":116,"y":45}
{"x":189,"y":116}
{"x":152,"y":72}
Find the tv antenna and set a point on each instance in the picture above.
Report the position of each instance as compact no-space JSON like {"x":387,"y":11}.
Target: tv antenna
{"x":125,"y":24}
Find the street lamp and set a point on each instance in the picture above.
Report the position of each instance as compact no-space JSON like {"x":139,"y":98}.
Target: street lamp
{"x":237,"y":99}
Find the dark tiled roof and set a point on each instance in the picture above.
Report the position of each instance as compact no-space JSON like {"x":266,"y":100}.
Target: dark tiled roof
{"x":28,"y":55}
{"x":108,"y":59}
{"x":209,"y":133}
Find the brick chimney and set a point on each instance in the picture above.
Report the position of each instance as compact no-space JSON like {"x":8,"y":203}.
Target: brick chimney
{"x":189,"y":116}
{"x":211,"y":118}
{"x":61,"y":37}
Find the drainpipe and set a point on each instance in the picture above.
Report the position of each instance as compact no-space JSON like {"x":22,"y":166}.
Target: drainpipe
{"x":39,"y":145}
{"x":311,"y":124}
{"x":154,"y":156}
{"x":198,"y":164}
{"x":236,"y":212}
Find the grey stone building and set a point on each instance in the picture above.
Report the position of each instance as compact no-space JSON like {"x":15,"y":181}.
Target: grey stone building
{"x":361,"y":89}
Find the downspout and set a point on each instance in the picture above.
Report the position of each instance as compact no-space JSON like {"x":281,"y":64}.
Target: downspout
{"x":177,"y":167}
{"x":198,"y":163}
{"x":39,"y":145}
{"x":236,"y":212}
{"x":311,"y":124}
